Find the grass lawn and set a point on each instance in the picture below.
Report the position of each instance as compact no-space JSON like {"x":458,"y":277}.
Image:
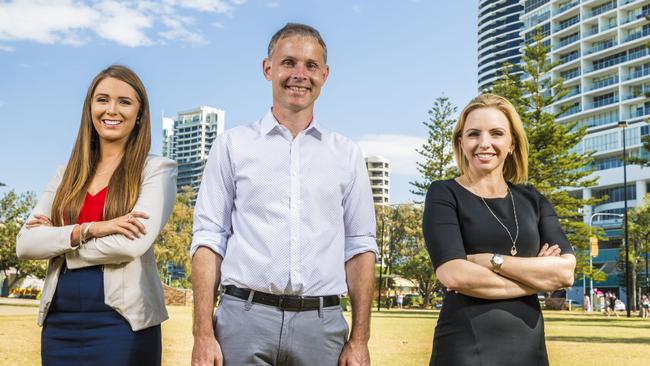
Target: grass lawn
{"x":399,"y":338}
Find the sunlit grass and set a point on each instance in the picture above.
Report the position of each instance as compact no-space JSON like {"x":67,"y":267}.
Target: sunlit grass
{"x":398,"y":338}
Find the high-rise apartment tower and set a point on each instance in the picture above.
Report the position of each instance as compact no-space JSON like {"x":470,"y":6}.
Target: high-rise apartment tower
{"x":379,"y":174}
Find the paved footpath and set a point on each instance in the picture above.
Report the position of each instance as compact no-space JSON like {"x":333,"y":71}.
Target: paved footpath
{"x":13,"y":306}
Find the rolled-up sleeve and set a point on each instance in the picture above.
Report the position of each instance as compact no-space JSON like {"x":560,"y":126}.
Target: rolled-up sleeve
{"x":213,"y":210}
{"x":359,"y":211}
{"x":45,"y":242}
{"x":157,"y":199}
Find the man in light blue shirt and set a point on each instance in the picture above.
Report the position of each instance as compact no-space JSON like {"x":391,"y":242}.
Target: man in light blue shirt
{"x":284,"y":221}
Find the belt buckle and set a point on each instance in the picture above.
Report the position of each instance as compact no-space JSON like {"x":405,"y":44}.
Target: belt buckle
{"x":291,"y":303}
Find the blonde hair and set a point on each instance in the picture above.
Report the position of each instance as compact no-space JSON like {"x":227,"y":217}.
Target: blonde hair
{"x":124,"y":185}
{"x":515,"y":168}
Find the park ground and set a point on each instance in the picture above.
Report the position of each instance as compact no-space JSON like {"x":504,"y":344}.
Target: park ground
{"x":399,"y":337}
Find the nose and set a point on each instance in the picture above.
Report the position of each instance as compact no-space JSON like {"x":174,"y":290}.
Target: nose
{"x":299,"y":72}
{"x":111,"y":108}
{"x":484,"y":141}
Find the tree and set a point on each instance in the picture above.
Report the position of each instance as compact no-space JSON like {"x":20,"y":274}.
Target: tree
{"x":555,"y":164}
{"x":437,"y":152}
{"x":173,"y":243}
{"x":639,"y":236}
{"x":409,"y":255}
{"x":14,"y":210}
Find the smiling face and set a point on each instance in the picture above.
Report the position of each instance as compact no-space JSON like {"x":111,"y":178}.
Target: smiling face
{"x":486,"y":140}
{"x":297,"y":71}
{"x":114,"y":109}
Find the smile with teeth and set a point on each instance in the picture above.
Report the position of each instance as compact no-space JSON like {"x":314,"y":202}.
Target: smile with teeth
{"x":295,"y":88}
{"x":111,"y":122}
{"x":485,"y":156}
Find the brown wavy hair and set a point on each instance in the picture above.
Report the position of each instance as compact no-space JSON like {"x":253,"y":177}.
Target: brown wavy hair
{"x":515,"y":168}
{"x":124,"y":185}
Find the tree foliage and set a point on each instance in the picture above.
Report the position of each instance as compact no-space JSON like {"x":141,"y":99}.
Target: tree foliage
{"x":639,"y":236}
{"x":404,"y":251}
{"x":437,"y":151}
{"x":14,"y":210}
{"x":556,"y":164}
{"x":173,"y":243}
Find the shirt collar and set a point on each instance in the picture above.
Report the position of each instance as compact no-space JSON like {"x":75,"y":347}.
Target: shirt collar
{"x":269,"y":124}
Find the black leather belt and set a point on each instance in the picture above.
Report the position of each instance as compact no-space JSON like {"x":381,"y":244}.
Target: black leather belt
{"x":284,"y":302}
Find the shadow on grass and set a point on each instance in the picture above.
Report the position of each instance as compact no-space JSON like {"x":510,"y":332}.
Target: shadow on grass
{"x":636,"y":340}
{"x":406,"y":314}
{"x":638,"y":325}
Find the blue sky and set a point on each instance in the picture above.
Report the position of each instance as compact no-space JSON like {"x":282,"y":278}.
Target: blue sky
{"x":389,"y":60}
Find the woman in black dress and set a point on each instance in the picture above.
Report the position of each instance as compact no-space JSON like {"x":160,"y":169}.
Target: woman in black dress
{"x":488,"y":237}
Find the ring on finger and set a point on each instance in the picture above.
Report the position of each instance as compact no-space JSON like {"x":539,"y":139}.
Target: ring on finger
{"x":129,"y":218}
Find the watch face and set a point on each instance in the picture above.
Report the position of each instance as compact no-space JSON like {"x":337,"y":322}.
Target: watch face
{"x":497,"y":259}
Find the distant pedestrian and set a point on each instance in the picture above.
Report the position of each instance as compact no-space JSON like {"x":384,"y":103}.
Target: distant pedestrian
{"x":587,"y":303}
{"x":645,"y":306}
{"x":400,"y":300}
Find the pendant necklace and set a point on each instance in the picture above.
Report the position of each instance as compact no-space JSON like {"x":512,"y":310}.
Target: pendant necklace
{"x":513,"y":250}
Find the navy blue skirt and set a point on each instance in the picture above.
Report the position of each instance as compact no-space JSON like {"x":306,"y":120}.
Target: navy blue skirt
{"x":80,"y":329}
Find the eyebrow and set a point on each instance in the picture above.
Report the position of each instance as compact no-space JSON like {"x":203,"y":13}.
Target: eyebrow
{"x":106,"y":95}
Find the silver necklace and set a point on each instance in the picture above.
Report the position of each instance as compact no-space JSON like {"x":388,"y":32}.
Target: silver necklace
{"x":513,"y":250}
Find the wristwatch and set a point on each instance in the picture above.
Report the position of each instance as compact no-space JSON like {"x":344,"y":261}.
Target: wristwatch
{"x":497,"y":261}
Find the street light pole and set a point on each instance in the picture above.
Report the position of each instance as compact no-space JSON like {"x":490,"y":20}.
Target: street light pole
{"x":591,"y":265}
{"x":623,"y":125}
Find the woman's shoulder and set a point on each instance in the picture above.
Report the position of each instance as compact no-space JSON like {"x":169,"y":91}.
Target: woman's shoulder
{"x":157,"y":163}
{"x":442,"y":189}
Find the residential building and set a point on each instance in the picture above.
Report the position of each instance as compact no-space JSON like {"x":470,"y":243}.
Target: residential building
{"x":602,"y":48}
{"x":379,"y":174}
{"x":188,"y":141}
{"x":499,"y":38}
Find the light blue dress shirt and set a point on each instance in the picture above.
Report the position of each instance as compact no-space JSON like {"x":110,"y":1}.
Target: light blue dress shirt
{"x":285,"y":213}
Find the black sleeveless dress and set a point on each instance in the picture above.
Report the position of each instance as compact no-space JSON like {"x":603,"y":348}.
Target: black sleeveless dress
{"x":473,"y":331}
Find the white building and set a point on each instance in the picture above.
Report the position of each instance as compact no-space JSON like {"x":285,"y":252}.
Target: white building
{"x":379,"y":174}
{"x":602,"y":47}
{"x":188,"y":140}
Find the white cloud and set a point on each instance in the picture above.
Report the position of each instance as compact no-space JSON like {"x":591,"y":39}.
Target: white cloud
{"x":218,"y":25}
{"x":45,"y":21}
{"x":125,"y":22}
{"x":356,"y":9}
{"x":272,"y":4}
{"x":178,"y":30}
{"x":399,"y":149}
{"x":212,"y":6}
{"x":123,"y":25}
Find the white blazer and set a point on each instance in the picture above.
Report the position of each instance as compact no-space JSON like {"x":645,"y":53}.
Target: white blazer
{"x":131,"y":283}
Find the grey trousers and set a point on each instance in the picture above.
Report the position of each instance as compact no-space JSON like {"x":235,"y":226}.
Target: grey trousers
{"x":256,"y":334}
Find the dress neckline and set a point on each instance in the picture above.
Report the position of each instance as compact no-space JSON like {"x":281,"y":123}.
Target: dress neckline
{"x":485,"y":198}
{"x":96,"y":193}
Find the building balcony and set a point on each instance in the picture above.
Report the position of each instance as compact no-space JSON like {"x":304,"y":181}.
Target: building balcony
{"x":600,"y":10}
{"x":637,"y":35}
{"x":635,"y":17}
{"x":602,"y":102}
{"x":605,"y":82}
{"x":601,"y":46}
{"x":568,"y":41}
{"x":637,"y":74}
{"x":567,"y":7}
{"x":571,"y":111}
{"x":639,"y":112}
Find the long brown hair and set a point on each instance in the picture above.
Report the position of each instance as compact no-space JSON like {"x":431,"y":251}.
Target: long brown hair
{"x":515,"y":168}
{"x":124,"y":185}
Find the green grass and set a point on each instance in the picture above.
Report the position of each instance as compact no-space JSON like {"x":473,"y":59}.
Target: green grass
{"x":398,"y":338}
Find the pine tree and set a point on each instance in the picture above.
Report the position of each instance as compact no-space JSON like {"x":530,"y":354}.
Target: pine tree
{"x":437,"y":151}
{"x":555,"y":164}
